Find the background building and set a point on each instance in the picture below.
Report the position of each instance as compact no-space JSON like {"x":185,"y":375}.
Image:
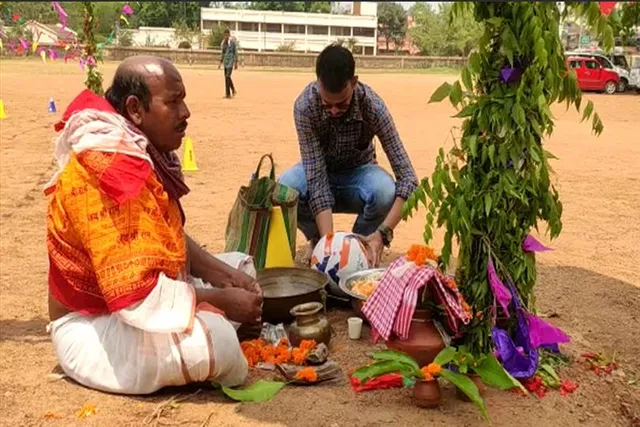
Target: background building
{"x":295,"y":31}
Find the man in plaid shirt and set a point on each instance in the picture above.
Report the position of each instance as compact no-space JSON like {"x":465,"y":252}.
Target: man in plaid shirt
{"x":336,"y":118}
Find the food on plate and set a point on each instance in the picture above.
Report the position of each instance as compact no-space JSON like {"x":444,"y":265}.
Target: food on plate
{"x":365,"y":286}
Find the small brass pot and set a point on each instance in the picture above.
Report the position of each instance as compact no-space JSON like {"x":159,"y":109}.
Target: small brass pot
{"x":310,"y":324}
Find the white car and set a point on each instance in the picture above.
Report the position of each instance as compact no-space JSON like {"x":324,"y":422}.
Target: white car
{"x":634,"y":75}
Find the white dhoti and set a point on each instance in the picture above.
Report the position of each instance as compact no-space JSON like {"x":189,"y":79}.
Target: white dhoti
{"x":165,"y":340}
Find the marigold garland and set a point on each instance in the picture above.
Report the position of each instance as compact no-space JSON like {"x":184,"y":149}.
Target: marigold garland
{"x":420,"y":254}
{"x":256,"y":351}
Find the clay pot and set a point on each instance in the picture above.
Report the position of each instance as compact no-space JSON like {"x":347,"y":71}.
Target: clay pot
{"x":424,"y":341}
{"x":477,"y":381}
{"x":426,"y":394}
{"x":310,"y":324}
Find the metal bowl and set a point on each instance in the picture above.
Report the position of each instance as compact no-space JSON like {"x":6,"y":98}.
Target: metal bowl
{"x":284,"y":288}
{"x":357,"y":301}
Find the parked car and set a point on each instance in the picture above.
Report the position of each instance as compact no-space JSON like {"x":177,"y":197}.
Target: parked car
{"x":634,"y":76}
{"x":616,"y":62}
{"x":592,"y":75}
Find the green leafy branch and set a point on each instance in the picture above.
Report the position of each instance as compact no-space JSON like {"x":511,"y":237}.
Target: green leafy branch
{"x":494,"y":185}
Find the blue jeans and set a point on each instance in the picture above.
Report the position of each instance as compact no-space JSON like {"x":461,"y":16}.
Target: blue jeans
{"x":367,"y":191}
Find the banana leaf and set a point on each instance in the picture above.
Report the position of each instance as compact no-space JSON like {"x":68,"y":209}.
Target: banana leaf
{"x":467,"y":387}
{"x":258,"y":392}
{"x":493,"y":374}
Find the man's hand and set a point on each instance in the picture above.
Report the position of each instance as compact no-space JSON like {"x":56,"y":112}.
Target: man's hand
{"x":375,"y":246}
{"x":244,"y":281}
{"x":240,"y":305}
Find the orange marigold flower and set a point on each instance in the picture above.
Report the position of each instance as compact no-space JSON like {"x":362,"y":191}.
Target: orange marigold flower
{"x":452,"y":283}
{"x":283,"y":342}
{"x":427,"y":375}
{"x":308,"y":344}
{"x":299,"y":355}
{"x":434,"y":369}
{"x":307,"y":374}
{"x":420,"y":254}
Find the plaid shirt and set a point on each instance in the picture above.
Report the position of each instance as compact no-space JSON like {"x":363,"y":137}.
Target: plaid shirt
{"x":338,"y":145}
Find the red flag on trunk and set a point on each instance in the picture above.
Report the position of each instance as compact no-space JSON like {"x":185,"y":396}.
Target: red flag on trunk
{"x":606,"y":7}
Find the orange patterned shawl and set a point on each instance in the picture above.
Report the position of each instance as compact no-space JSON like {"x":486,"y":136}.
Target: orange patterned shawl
{"x":105,"y":256}
{"x":111,"y":230}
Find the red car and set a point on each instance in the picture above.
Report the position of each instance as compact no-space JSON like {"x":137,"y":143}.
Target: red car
{"x":592,"y":75}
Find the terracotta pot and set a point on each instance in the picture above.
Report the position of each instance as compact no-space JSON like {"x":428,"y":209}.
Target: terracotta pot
{"x":477,"y":381}
{"x":424,"y":341}
{"x":426,"y":394}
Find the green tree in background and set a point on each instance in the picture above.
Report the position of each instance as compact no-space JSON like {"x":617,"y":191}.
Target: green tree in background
{"x":392,"y":21}
{"x":442,"y":34}
{"x":292,"y":6}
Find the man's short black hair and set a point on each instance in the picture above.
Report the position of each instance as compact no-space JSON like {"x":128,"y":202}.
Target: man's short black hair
{"x":335,"y":67}
{"x":226,"y":31}
{"x":125,"y":85}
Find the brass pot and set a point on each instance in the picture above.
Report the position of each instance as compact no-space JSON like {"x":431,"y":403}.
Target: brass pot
{"x":310,"y":324}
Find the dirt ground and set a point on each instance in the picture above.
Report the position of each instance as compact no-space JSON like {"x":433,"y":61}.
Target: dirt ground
{"x":590,"y":283}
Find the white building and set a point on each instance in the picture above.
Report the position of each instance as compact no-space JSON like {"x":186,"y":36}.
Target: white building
{"x":301,"y":32}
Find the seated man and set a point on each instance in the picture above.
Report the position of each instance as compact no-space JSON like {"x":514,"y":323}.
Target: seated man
{"x":127,"y":312}
{"x":336,"y":118}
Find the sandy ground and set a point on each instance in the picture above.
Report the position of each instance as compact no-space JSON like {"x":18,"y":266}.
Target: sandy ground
{"x":591,"y":281}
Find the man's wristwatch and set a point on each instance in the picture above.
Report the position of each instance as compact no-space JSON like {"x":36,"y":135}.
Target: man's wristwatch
{"x":387,"y":235}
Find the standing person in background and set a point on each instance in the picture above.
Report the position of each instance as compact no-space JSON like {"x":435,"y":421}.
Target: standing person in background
{"x":336,"y":118}
{"x":229,"y":59}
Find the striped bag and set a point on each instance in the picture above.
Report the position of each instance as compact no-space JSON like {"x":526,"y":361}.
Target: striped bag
{"x":248,"y":224}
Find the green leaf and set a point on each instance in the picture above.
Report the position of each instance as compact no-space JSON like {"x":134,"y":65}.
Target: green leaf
{"x":445,"y":356}
{"x":397,"y":356}
{"x":466,"y":79}
{"x":473,"y":145}
{"x":587,"y":111}
{"x":467,"y":111}
{"x":467,"y":387}
{"x":549,"y":155}
{"x":493,"y":374}
{"x":487,"y":204}
{"x":380,"y":368}
{"x":441,"y":93}
{"x":455,"y":96}
{"x":260,"y":391}
{"x":474,"y":62}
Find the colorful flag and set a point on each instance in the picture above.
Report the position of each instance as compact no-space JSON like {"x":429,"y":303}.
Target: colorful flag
{"x":606,"y":7}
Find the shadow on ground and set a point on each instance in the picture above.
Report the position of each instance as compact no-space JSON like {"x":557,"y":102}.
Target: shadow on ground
{"x":28,"y":331}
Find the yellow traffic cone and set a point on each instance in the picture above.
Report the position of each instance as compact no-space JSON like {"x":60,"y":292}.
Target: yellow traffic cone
{"x":278,"y":249}
{"x":189,"y":160}
{"x":3,"y":115}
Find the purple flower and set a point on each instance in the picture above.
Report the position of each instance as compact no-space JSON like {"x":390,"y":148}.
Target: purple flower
{"x":126,"y":10}
{"x":510,"y":75}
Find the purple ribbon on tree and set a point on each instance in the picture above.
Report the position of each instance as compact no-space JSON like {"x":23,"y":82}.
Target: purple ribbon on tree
{"x":500,"y":292}
{"x":530,"y":244}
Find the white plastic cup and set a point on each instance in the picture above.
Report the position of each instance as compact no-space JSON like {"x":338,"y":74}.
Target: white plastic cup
{"x":355,"y":327}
